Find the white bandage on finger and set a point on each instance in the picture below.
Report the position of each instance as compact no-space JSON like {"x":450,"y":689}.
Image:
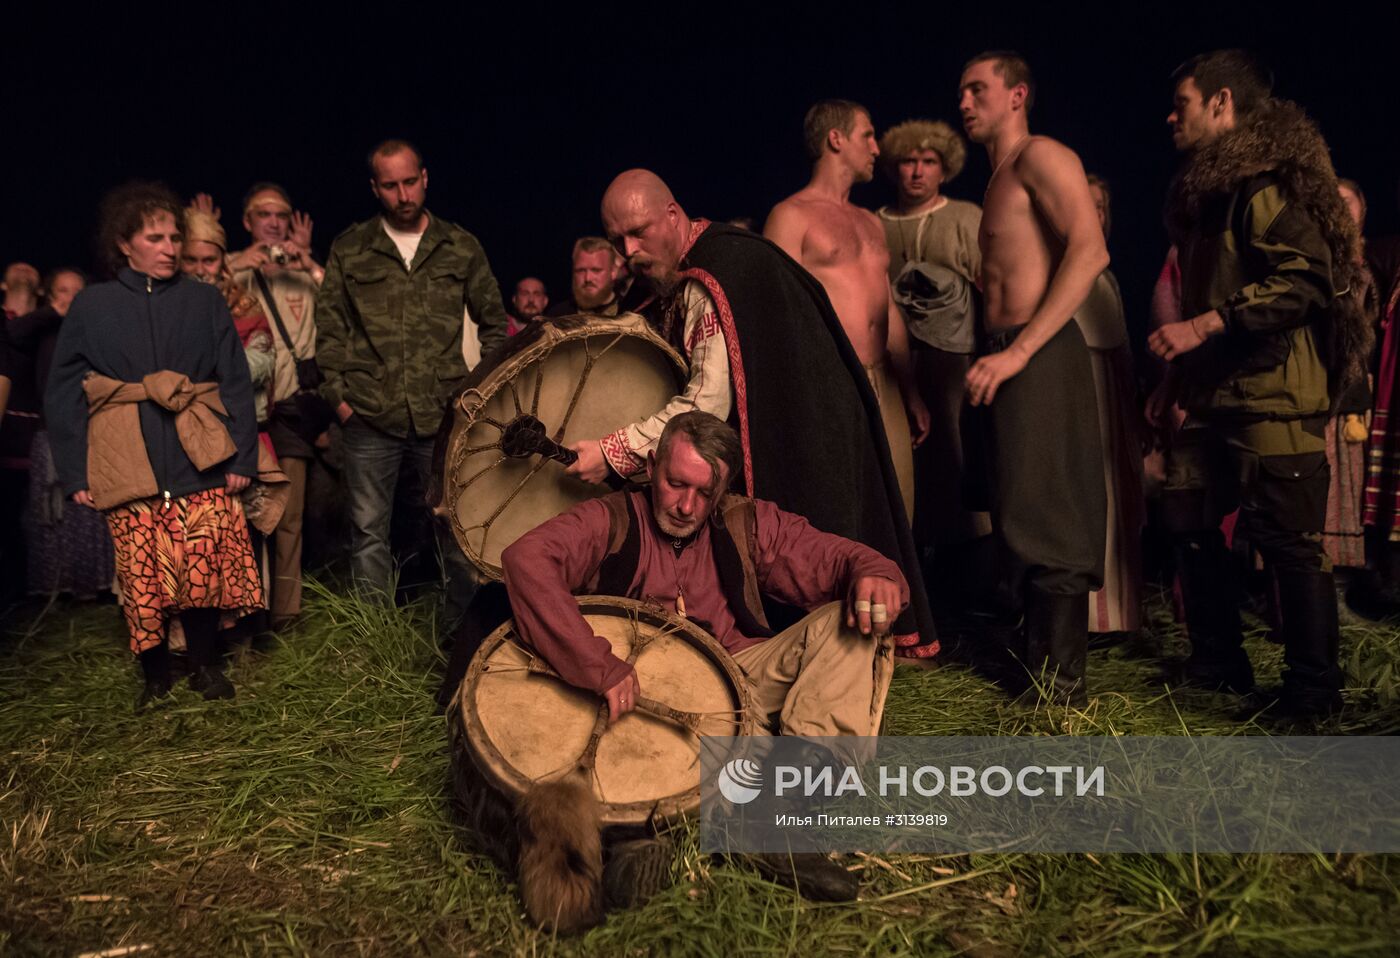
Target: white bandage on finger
{"x":878,"y":607}
{"x":862,"y":605}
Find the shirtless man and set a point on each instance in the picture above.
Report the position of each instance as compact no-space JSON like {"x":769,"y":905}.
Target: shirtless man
{"x":843,"y":246}
{"x":1042,"y":249}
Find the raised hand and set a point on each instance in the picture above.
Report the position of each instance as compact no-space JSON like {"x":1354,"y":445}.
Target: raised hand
{"x":205,"y":204}
{"x":301,"y":231}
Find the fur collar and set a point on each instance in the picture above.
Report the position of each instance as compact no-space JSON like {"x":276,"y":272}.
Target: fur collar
{"x":1280,"y":139}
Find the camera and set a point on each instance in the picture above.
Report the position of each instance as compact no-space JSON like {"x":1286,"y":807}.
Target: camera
{"x":278,"y":255}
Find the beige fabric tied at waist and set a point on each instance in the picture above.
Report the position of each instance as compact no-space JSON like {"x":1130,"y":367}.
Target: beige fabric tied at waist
{"x":119,"y":465}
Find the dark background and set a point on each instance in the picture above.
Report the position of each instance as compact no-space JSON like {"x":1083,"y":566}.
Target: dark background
{"x":524,"y":117}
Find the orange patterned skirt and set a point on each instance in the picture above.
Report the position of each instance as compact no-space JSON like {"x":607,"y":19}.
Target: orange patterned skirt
{"x":191,"y":553}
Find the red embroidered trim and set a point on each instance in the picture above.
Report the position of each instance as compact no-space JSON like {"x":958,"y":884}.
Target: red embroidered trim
{"x":696,"y":228}
{"x":707,"y":327}
{"x":618,"y":452}
{"x":736,"y":363}
{"x":909,"y":647}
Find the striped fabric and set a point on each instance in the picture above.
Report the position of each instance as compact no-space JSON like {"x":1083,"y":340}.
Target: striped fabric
{"x":1341,"y":535}
{"x":1117,"y":607}
{"x":1381,"y":507}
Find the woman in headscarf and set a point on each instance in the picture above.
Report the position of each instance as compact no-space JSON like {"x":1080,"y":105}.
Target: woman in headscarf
{"x":150,"y":415}
{"x":204,"y":257}
{"x":1117,"y":607}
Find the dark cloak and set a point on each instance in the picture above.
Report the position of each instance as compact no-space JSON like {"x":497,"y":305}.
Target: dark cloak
{"x":809,"y":423}
{"x":812,"y":435}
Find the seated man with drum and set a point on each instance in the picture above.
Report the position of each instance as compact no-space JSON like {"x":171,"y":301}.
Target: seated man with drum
{"x":709,"y":556}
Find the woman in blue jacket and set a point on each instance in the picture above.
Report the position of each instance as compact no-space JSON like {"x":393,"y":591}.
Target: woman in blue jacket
{"x":150,"y":414}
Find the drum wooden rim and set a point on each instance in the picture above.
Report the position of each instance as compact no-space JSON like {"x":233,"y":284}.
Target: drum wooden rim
{"x":495,"y":768}
{"x":469,"y":404}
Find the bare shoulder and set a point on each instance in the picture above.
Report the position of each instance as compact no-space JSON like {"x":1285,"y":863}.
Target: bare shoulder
{"x":788,"y":214}
{"x":1044,"y":155}
{"x":797,"y":204}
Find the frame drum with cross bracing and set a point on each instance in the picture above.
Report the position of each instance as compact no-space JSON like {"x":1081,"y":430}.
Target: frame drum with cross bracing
{"x":503,"y":450}
{"x":514,"y":723}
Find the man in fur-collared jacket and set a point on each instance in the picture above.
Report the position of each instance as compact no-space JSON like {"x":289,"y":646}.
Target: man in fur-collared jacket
{"x":1268,"y":343}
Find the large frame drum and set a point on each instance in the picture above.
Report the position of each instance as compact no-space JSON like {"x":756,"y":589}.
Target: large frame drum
{"x":567,"y":380}
{"x":514,"y":723}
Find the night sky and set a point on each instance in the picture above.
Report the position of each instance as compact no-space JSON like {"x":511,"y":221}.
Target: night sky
{"x":523,"y":120}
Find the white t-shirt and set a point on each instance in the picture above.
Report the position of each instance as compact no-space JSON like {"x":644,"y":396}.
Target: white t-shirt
{"x":406,"y":243}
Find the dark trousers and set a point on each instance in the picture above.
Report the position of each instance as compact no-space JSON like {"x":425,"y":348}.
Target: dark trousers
{"x":1045,"y":460}
{"x":1276,"y":474}
{"x":14,"y":499}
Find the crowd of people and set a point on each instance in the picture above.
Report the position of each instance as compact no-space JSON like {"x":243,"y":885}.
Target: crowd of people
{"x":949,"y":385}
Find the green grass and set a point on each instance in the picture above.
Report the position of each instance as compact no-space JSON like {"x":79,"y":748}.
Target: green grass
{"x":312,"y":815}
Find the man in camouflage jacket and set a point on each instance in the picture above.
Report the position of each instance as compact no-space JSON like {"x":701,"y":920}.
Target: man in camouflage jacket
{"x":406,"y":297}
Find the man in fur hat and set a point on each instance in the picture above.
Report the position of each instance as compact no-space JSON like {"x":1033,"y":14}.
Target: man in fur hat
{"x":926,"y":229}
{"x":1265,"y":246}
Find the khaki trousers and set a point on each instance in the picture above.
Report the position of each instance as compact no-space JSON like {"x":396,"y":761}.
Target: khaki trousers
{"x":897,"y":433}
{"x":820,"y":677}
{"x":286,"y":547}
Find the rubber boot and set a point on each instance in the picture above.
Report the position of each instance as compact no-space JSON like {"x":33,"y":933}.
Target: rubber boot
{"x":1312,"y":680}
{"x":1209,"y":592}
{"x":155,"y":668}
{"x":206,"y":666}
{"x":1057,"y":641}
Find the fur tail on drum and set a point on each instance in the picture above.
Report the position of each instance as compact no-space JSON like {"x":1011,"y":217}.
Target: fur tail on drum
{"x":561,"y":855}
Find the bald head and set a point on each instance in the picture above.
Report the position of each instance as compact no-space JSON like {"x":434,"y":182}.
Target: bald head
{"x":637,"y":187}
{"x":646,"y":225}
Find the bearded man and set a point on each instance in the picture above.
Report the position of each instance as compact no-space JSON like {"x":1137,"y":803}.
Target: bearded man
{"x":767,"y":351}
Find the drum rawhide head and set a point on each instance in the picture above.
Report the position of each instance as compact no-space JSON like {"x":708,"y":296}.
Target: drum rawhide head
{"x":574,"y":379}
{"x":519,"y":724}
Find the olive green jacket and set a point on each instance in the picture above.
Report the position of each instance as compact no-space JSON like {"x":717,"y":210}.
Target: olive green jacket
{"x":1260,"y":260}
{"x":389,"y":336}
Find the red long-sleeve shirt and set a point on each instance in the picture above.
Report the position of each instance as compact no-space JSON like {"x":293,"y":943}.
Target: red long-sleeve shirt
{"x":796,"y":564}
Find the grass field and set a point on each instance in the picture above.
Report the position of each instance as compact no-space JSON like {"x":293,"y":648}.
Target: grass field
{"x":312,"y":815}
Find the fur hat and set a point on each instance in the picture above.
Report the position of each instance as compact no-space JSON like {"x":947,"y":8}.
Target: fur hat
{"x":902,"y":140}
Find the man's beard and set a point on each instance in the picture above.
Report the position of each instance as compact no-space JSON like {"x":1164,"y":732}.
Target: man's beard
{"x":669,"y":525}
{"x":592,"y":298}
{"x":661,"y":286}
{"x":405,"y":216}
